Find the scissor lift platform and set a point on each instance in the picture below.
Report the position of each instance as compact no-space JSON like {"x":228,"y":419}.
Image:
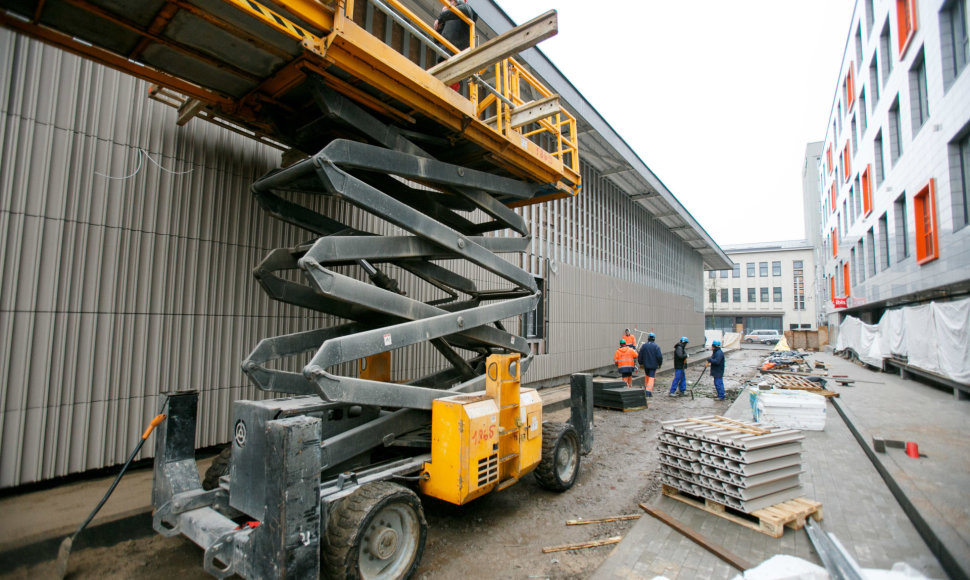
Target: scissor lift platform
{"x":251,"y":66}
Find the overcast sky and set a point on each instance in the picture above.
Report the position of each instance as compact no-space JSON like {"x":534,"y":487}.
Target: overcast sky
{"x":718,"y":98}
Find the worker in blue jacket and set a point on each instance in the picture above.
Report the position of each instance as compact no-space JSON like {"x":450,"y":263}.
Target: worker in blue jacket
{"x":716,"y":362}
{"x":650,"y":358}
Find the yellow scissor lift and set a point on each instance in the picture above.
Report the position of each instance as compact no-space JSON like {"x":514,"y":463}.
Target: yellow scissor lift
{"x":359,"y":97}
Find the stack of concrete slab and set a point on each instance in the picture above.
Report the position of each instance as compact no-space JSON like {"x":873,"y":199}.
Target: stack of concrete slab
{"x":737,"y":464}
{"x":614,"y":394}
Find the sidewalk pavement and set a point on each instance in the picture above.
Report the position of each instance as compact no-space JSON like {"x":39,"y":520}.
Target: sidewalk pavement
{"x":858,"y":506}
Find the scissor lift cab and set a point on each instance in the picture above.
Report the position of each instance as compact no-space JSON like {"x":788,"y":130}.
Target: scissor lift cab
{"x":406,"y":191}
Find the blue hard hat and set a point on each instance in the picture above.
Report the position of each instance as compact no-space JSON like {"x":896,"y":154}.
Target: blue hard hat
{"x":651,"y":335}
{"x":716,"y":343}
{"x":684,"y":339}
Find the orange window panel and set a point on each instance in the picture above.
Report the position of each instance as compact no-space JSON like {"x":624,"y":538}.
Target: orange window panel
{"x":846,"y":165}
{"x":845,"y":278}
{"x":906,"y":24}
{"x":866,"y":191}
{"x":832,"y":284}
{"x":832,"y":196}
{"x":924,"y":205}
{"x":828,"y":155}
{"x":835,"y":242}
{"x":849,"y":87}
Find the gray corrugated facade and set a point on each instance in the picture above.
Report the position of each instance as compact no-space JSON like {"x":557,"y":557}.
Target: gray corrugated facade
{"x":126,"y":251}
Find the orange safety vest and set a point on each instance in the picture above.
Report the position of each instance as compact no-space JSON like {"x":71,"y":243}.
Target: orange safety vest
{"x":625,"y":357}
{"x":630,"y":341}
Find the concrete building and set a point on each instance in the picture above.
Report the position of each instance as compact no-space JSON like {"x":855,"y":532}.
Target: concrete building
{"x":129,"y":242}
{"x":770,"y":287}
{"x":811,"y":200}
{"x":895,"y":173}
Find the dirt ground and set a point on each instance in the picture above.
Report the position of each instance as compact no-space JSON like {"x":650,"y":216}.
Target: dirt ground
{"x":500,"y":535}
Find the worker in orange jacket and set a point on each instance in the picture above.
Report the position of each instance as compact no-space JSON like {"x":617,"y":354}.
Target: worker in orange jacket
{"x":625,"y":359}
{"x":629,"y":339}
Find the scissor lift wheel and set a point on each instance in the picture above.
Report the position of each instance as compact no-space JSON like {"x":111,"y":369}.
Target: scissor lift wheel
{"x":377,"y":532}
{"x":559,"y":466}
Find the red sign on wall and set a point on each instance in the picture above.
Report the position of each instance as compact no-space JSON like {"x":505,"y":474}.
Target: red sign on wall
{"x":839,"y":302}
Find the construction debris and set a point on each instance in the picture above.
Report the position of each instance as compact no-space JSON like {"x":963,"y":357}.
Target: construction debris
{"x":735,"y":464}
{"x":593,"y":544}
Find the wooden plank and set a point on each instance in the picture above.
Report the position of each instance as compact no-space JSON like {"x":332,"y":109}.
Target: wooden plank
{"x":763,"y":431}
{"x":751,"y":430}
{"x":719,"y":551}
{"x":534,"y":111}
{"x":470,"y":61}
{"x":593,"y":544}
{"x":603,"y":520}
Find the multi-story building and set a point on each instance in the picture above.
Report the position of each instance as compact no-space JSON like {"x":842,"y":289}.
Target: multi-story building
{"x":771,"y":287}
{"x":895,"y":173}
{"x":811,"y":195}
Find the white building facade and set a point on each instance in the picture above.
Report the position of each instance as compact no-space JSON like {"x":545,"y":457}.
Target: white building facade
{"x":895,"y":171}
{"x":771,"y":287}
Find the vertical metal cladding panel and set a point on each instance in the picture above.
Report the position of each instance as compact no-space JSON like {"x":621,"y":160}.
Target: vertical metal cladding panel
{"x":126,"y":251}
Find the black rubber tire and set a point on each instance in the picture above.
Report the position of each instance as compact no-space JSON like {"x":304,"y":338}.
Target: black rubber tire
{"x":382,"y":511}
{"x":559,"y":466}
{"x":218,"y":468}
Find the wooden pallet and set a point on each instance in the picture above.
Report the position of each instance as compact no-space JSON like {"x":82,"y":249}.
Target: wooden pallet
{"x":797,"y":383}
{"x":771,"y":520}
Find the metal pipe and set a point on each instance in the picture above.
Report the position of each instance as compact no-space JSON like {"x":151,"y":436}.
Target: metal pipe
{"x":410,"y":28}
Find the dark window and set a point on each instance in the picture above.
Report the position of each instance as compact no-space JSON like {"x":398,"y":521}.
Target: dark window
{"x":736,"y":272}
{"x":918,"y":98}
{"x":863,"y":115}
{"x":711,"y":274}
{"x":877,"y":152}
{"x":871,"y":253}
{"x":874,"y":79}
{"x":751,"y":295}
{"x":712,"y":295}
{"x":884,"y":242}
{"x":895,"y":133}
{"x":887,"y":54}
{"x":763,"y":267}
{"x":901,"y":230}
{"x":735,"y":295}
{"x":858,"y":44}
{"x":953,"y":37}
{"x":869,"y":17}
{"x":534,"y":322}
{"x":724,"y":294}
{"x":764,"y":294}
{"x":724,"y":273}
{"x":960,"y":181}
{"x":750,"y":266}
{"x":776,"y":268}
{"x":776,"y":294}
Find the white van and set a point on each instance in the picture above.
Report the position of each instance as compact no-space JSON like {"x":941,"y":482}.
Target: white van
{"x":763,"y":336}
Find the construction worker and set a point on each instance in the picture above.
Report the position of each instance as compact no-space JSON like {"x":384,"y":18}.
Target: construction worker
{"x":624,"y":358}
{"x":630,"y":340}
{"x":650,"y":359}
{"x":716,"y":362}
{"x":680,"y":363}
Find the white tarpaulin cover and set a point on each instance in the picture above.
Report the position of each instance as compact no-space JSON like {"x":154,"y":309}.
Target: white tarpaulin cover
{"x":934,"y":337}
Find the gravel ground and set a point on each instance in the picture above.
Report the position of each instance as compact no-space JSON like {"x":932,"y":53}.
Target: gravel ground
{"x":500,"y":535}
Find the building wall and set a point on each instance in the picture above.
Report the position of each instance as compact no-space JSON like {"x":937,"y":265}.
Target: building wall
{"x":785,"y":309}
{"x":929,"y":154}
{"x":126,"y":257}
{"x":811,"y":198}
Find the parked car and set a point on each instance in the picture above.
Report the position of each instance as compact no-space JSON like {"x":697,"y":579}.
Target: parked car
{"x":763,"y":336}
